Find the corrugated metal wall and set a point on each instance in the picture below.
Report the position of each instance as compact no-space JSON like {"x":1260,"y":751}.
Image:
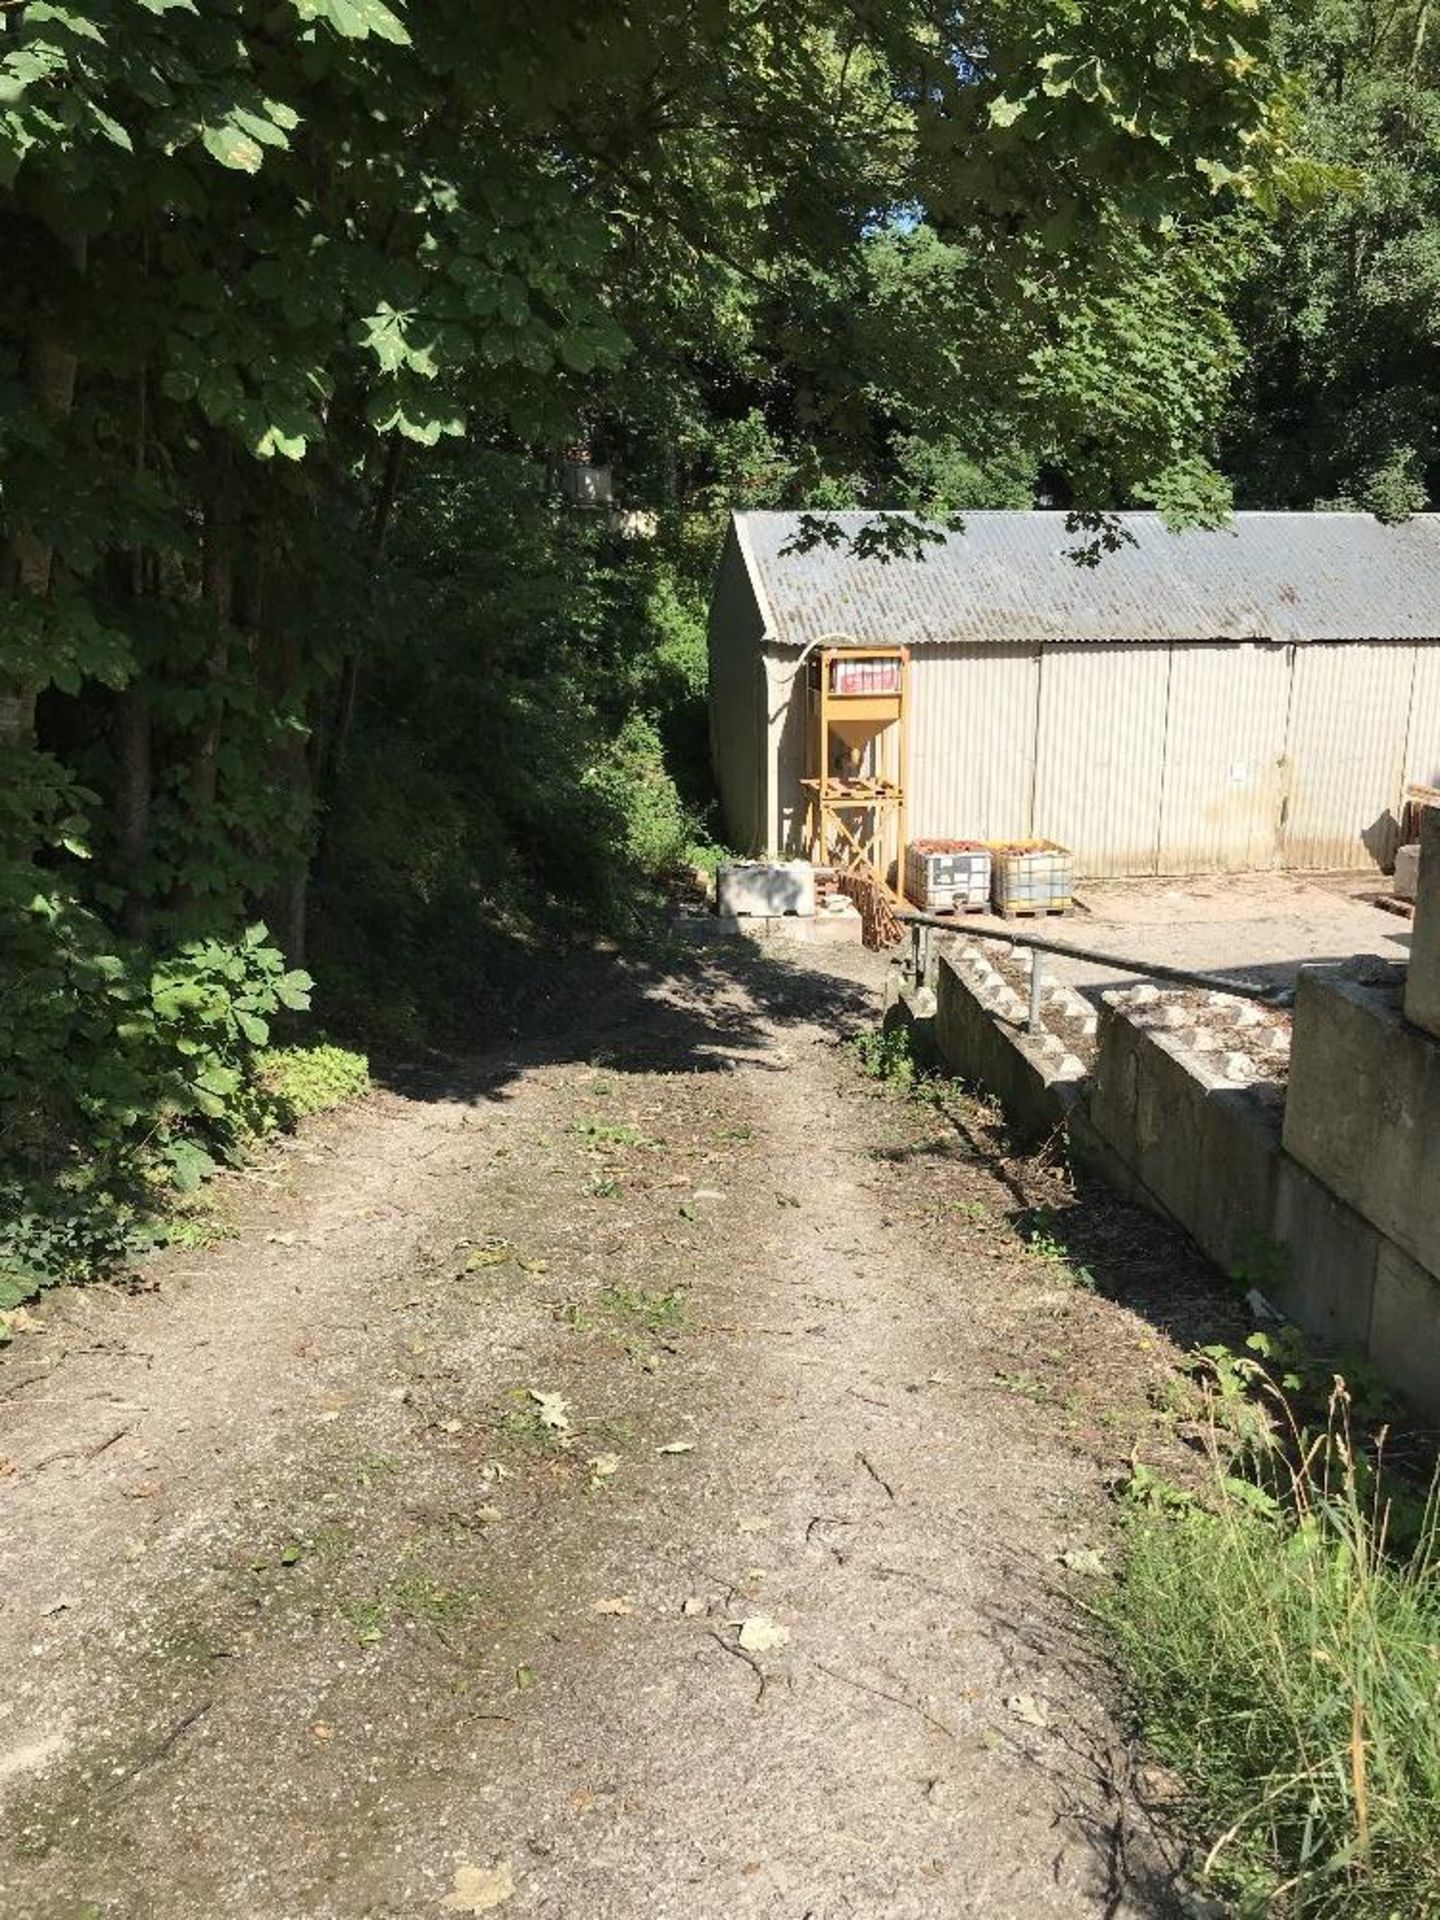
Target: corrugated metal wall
{"x":972,"y":739}
{"x":1349,"y":724}
{"x":1211,"y":757}
{"x":1100,"y":754}
{"x":1220,"y":811}
{"x":1422,"y":750}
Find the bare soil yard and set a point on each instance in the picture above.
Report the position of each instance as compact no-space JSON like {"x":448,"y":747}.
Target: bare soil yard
{"x":645,"y":1471}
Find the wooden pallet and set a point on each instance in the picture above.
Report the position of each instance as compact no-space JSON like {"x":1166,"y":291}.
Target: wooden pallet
{"x":1032,"y":913}
{"x":953,"y":913}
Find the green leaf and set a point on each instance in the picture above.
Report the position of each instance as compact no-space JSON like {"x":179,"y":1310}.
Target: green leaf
{"x":294,"y":990}
{"x":233,"y":148}
{"x":356,"y":19}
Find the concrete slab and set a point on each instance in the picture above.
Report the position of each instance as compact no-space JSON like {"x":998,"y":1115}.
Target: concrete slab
{"x":1422,"y":988}
{"x":1363,"y":1111}
{"x":1405,"y":1329}
{"x":823,"y":930}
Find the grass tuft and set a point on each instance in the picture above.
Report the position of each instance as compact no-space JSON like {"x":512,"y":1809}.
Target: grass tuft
{"x":1281,"y":1637}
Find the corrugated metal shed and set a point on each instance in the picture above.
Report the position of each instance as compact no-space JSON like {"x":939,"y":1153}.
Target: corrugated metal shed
{"x":1196,"y":703}
{"x":1009,"y":578}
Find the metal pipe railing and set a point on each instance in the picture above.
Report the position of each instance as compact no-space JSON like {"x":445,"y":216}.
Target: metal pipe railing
{"x":1150,"y":969}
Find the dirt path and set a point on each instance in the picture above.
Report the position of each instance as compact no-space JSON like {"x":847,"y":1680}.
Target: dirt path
{"x":310,"y":1605}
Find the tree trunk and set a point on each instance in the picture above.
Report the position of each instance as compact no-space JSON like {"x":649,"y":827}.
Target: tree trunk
{"x":49,"y":371}
{"x":133,"y":731}
{"x":218,"y":591}
{"x":132,"y":803}
{"x":287,"y":903}
{"x":380,"y":522}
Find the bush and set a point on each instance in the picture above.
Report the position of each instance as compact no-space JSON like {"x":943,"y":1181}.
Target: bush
{"x":1284,"y":1654}
{"x":305,"y":1080}
{"x":125,"y":1076}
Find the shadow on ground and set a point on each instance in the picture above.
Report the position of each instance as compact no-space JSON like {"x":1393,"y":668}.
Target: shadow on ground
{"x":682,"y":1012}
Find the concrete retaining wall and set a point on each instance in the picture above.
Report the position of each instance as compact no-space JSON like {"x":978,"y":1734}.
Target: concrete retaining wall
{"x":980,"y":1037}
{"x":1422,"y":988}
{"x":1342,"y":1233}
{"x":1200,"y":1146}
{"x":1364,"y":1107}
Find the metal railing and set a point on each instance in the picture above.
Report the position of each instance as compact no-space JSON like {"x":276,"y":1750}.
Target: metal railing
{"x":921,"y":925}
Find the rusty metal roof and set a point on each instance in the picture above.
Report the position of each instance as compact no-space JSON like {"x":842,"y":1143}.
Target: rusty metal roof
{"x":1009,"y":578}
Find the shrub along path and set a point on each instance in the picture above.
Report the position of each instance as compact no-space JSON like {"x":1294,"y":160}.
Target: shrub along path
{"x":634,"y":1475}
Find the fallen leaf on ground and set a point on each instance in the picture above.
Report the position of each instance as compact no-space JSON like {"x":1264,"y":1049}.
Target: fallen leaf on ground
{"x":480,"y":1889}
{"x":7,"y":1466}
{"x":1032,"y":1712}
{"x":752,"y":1523}
{"x":553,"y":1409}
{"x":615,"y":1606}
{"x":692,"y":1608}
{"x":677,"y":1446}
{"x":487,"y":1516}
{"x":451,"y":1426}
{"x":488,"y":1257}
{"x":322,"y":1730}
{"x":760,"y":1634}
{"x":1089,"y":1560}
{"x":143,"y":1490}
{"x":524,"y":1678}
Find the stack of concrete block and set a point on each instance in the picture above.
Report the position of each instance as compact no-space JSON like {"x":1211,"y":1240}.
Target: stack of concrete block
{"x":1363,"y":1117}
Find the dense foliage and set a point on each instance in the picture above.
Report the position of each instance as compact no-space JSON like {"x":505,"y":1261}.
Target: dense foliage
{"x":304,"y":301}
{"x":1338,"y":405}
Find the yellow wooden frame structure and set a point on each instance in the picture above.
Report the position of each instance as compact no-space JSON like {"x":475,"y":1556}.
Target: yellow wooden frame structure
{"x":858,"y":821}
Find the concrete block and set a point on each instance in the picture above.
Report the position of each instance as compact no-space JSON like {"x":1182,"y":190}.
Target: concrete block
{"x":1203,"y":1150}
{"x":1405,"y":1328}
{"x":760,"y":888}
{"x":913,"y":1013}
{"x":1407,"y":871}
{"x":976,"y":1045}
{"x":1323,"y":1273}
{"x":1363,"y":1110}
{"x":1422,"y":986}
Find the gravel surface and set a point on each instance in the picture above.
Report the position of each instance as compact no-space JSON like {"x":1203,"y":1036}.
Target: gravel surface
{"x":630,"y":1474}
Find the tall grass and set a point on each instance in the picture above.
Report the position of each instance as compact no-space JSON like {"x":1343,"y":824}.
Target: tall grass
{"x":1283,"y":1650}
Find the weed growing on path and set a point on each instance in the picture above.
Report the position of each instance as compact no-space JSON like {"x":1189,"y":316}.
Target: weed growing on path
{"x":888,"y":1057}
{"x":1044,"y":1238}
{"x":601,"y":1133}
